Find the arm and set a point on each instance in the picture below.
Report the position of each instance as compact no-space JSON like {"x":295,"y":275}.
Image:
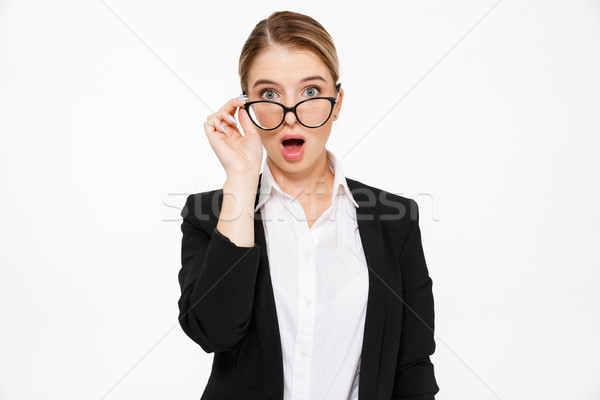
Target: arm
{"x":217,"y":280}
{"x":415,"y":378}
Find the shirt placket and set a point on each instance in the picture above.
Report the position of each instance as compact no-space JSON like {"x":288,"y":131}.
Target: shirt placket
{"x":306,"y":312}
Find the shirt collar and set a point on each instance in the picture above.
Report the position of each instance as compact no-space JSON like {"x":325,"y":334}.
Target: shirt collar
{"x":268,"y":183}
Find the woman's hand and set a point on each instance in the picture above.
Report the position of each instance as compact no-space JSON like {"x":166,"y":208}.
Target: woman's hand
{"x":241,"y":156}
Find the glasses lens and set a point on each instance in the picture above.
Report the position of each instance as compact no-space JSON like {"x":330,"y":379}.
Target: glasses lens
{"x":314,"y":112}
{"x":266,"y":115}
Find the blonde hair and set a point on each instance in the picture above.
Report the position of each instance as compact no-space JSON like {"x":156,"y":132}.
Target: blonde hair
{"x":291,"y":30}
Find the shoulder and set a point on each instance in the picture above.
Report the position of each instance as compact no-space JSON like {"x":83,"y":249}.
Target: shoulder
{"x":389,"y":206}
{"x":203,"y":207}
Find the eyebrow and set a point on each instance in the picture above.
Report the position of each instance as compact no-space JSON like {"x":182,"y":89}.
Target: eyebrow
{"x":310,"y":78}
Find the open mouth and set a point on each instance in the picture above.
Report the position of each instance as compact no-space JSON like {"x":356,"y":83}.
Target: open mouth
{"x":292,"y":144}
{"x":292,"y":148}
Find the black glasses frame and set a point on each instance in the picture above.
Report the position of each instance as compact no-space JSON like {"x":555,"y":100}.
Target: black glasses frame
{"x":333,"y":100}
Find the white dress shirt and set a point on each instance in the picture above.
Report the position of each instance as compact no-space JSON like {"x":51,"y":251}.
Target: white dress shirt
{"x":320,"y":283}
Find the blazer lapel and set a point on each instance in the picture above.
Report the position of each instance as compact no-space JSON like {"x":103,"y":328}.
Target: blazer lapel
{"x":369,"y":226}
{"x":265,"y":312}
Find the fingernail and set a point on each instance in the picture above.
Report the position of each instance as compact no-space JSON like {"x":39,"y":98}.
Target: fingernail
{"x":243,"y":97}
{"x":222,"y":127}
{"x":232,"y":118}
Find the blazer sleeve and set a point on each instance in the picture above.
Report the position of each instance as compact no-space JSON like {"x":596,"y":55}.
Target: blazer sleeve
{"x":415,"y":378}
{"x":217,"y":280}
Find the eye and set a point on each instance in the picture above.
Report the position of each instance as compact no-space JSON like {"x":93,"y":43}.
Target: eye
{"x":270,"y":92}
{"x":312,"y":91}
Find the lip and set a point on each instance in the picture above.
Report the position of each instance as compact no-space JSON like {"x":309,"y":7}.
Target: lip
{"x":292,"y":155}
{"x":292,"y":136}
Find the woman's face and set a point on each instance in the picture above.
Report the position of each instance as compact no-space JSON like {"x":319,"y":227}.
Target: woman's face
{"x":286,"y":71}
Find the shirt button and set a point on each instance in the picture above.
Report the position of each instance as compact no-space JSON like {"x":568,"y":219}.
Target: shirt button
{"x":304,"y":353}
{"x":307,"y":301}
{"x":307,"y":255}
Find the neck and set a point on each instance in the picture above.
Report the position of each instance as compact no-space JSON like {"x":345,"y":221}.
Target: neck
{"x":316,"y":180}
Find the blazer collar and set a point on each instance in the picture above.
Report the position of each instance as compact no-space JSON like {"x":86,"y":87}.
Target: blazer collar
{"x":267,"y":183}
{"x":369,"y":226}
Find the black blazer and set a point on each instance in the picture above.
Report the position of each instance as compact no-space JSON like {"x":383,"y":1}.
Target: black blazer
{"x":227,"y":304}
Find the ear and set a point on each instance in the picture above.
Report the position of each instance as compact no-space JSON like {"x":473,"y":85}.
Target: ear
{"x":338,"y":105}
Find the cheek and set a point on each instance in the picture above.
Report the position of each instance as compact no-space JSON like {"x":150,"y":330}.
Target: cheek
{"x":265,"y":138}
{"x":270,"y":142}
{"x":321,"y":135}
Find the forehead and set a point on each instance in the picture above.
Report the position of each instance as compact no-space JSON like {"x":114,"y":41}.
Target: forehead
{"x":286,"y":66}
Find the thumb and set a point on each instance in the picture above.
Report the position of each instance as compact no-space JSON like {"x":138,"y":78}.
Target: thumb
{"x":246,"y":123}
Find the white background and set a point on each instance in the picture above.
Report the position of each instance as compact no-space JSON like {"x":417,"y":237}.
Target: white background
{"x":486,"y":113}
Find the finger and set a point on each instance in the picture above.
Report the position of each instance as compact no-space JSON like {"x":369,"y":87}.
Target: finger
{"x":209,"y":127}
{"x":232,"y":105}
{"x":223,"y":117}
{"x":216,"y":120}
{"x":246,"y":123}
{"x":231,"y":131}
{"x":214,"y":125}
{"x":228,"y":118}
{"x":228,"y":123}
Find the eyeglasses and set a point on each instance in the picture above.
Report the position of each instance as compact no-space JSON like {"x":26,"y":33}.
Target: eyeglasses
{"x":311,"y":113}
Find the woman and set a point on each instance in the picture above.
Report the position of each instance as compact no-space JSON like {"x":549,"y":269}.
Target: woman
{"x":303,"y":283}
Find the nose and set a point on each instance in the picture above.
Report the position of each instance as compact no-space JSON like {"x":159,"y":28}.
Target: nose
{"x":290,"y":118}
